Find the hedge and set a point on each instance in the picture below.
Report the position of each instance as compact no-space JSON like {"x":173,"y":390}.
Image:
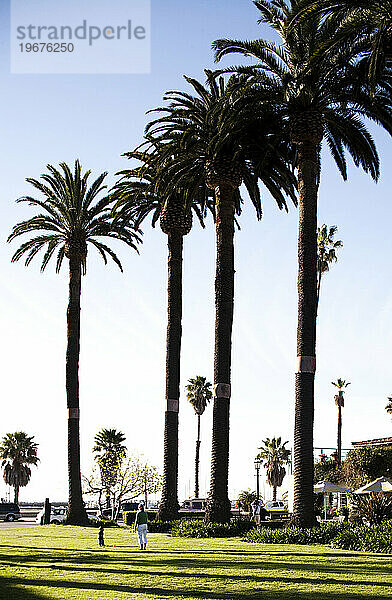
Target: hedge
{"x":373,"y":538}
{"x":130,"y":515}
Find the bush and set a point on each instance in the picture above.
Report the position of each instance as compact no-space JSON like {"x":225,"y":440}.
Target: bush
{"x":130,"y":515}
{"x":295,"y":535}
{"x":371,"y":508}
{"x":195,"y":528}
{"x":373,"y":538}
{"x":104,"y":522}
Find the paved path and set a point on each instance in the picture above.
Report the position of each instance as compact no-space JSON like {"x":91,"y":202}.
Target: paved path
{"x":25,"y":522}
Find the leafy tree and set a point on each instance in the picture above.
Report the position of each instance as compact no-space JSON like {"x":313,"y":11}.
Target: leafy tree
{"x":388,"y":407}
{"x":341,"y":384}
{"x":245,"y":499}
{"x":109,"y":453}
{"x":323,"y":93}
{"x":135,"y":478}
{"x":72,"y":218}
{"x":199,"y":394}
{"x":219,"y":140}
{"x":140,"y":193}
{"x":326,"y":252}
{"x":17,"y":452}
{"x":274,"y":456}
{"x":363,"y":465}
{"x":328,"y":470}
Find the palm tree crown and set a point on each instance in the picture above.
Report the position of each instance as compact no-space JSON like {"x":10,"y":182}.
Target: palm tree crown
{"x":199,"y":393}
{"x":17,"y":452}
{"x":388,"y":407}
{"x":321,"y":89}
{"x":72,"y":219}
{"x":369,"y":20}
{"x":274,"y":456}
{"x":326,"y":252}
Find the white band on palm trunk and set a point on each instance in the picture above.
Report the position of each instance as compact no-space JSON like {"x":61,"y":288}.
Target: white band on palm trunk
{"x":73,"y":413}
{"x":222,"y":390}
{"x":172,"y":405}
{"x":306,"y":364}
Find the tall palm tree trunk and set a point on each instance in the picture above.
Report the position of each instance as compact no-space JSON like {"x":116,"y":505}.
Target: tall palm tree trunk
{"x":308,"y":178}
{"x":274,"y":493}
{"x":218,"y":507}
{"x":16,"y":494}
{"x":339,"y":438}
{"x":168,"y":509}
{"x":76,"y":512}
{"x":197,"y":459}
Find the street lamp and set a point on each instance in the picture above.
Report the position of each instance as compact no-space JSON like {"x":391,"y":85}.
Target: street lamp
{"x":257,"y":467}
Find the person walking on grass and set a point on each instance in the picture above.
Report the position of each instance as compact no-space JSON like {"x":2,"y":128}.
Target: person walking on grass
{"x":101,"y":541}
{"x":141,"y":526}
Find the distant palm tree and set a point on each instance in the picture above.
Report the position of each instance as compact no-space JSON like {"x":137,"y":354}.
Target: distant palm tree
{"x":341,"y":384}
{"x":72,"y":218}
{"x":388,"y":407}
{"x":109,"y":452}
{"x":17,"y":452}
{"x":199,"y":394}
{"x":326,"y":252}
{"x":274,"y":456}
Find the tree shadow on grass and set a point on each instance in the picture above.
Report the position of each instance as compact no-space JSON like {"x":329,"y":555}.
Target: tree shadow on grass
{"x":9,"y":591}
{"x":9,"y":586}
{"x":256,"y":578}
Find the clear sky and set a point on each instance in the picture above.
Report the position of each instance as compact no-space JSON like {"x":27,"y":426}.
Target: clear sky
{"x":52,"y":118}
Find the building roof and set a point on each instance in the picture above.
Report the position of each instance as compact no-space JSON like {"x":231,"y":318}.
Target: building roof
{"x":387,"y":441}
{"x":381,"y":484}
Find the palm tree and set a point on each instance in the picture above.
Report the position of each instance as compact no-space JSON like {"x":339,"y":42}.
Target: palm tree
{"x":17,"y":452}
{"x":109,"y":453}
{"x":341,"y":384}
{"x":138,"y":194}
{"x":326,"y":252}
{"x":323,"y":93}
{"x":274,"y":456}
{"x":388,"y":407}
{"x":199,"y":394}
{"x":218,"y":140}
{"x":72,"y":218}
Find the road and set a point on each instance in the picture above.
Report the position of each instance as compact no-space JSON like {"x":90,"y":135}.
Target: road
{"x":25,"y":522}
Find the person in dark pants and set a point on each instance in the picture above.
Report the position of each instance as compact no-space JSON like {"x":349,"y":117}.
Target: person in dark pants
{"x":101,"y":541}
{"x":141,"y":526}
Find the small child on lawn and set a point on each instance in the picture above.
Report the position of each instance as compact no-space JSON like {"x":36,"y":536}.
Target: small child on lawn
{"x":100,"y":536}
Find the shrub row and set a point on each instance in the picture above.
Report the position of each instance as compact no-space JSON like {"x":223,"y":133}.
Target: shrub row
{"x":295,"y":535}
{"x":195,"y":528}
{"x":104,"y":522}
{"x":129,"y":515}
{"x":373,"y":538}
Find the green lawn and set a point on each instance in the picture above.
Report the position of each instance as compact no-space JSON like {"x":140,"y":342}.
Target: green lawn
{"x":65,"y":562}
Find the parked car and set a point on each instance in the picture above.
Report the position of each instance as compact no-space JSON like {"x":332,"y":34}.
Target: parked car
{"x":194,"y":504}
{"x":275,"y":508}
{"x":9,"y":511}
{"x":58,"y":514}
